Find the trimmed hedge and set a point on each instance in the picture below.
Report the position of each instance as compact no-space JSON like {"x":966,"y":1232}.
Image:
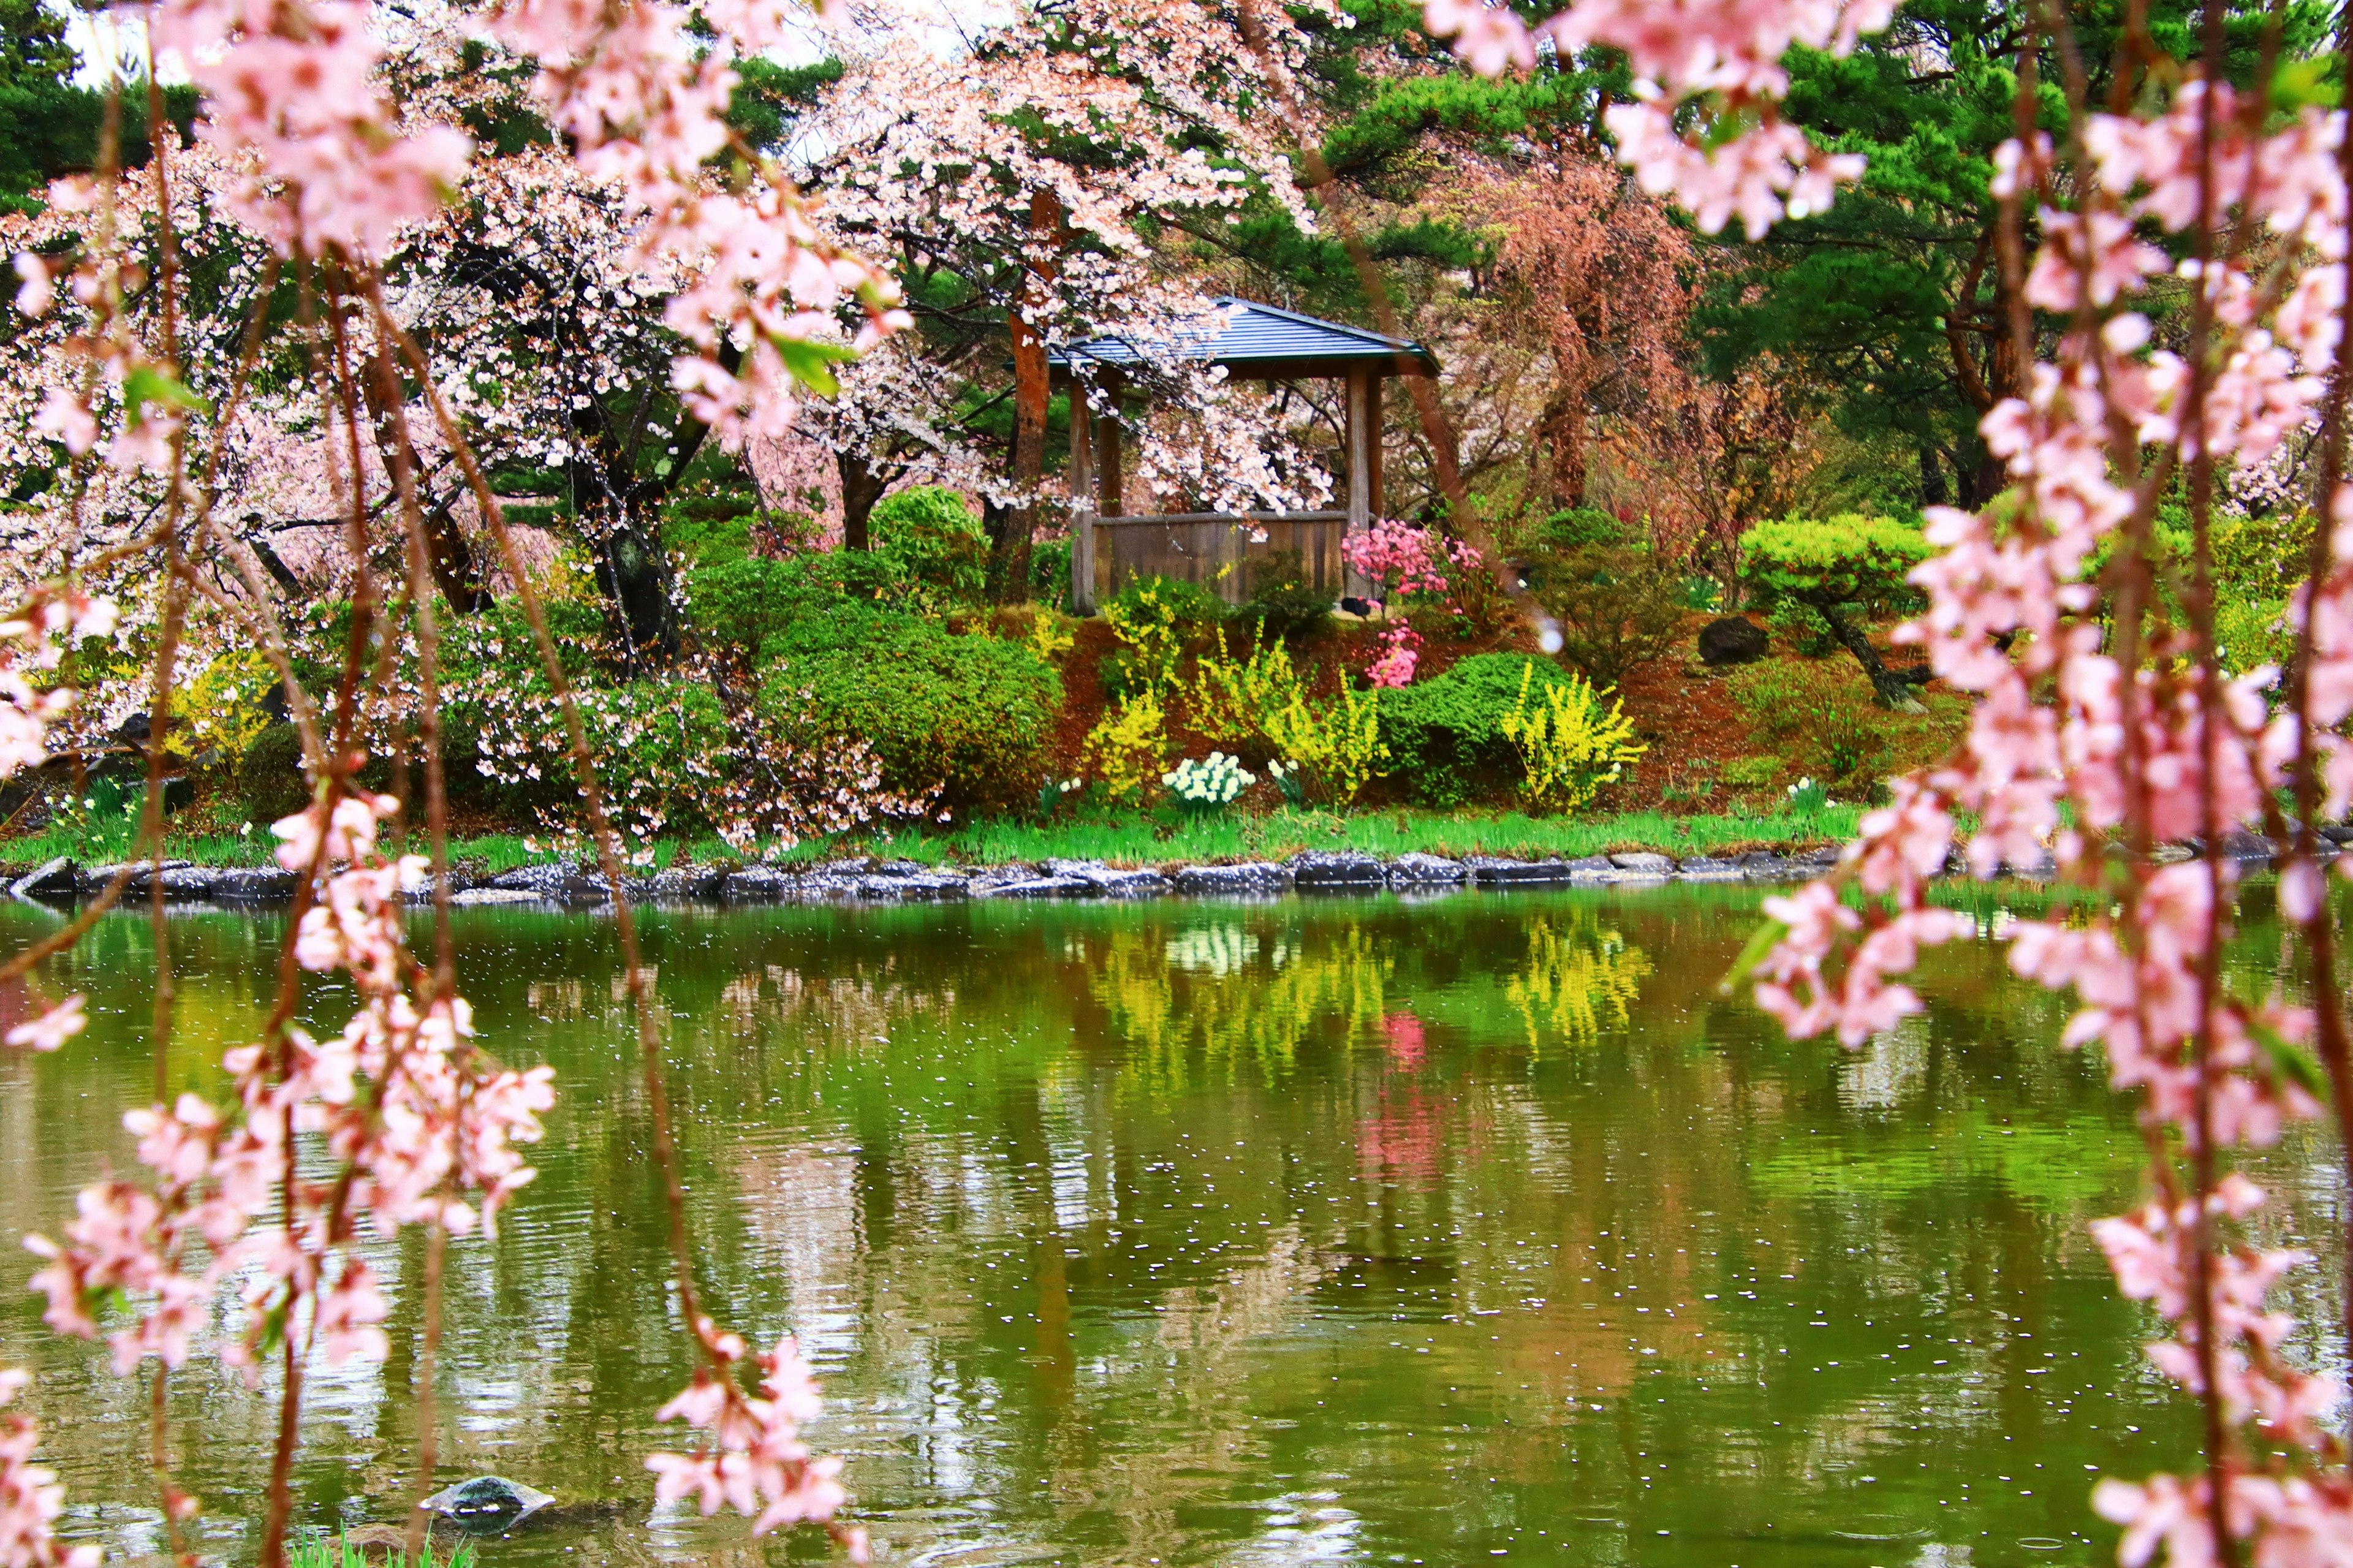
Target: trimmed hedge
{"x":1444,"y":735}
{"x":973,"y":714}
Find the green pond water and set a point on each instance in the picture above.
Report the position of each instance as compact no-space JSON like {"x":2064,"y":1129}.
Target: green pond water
{"x":1469,"y":1230}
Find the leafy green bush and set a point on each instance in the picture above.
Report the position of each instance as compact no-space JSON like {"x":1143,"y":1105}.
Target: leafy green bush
{"x":1281,"y":599}
{"x":2250,"y":632}
{"x":270,"y":779}
{"x":1563,"y":534}
{"x":972,"y":714}
{"x":1050,"y":571}
{"x":1153,"y":617}
{"x":1620,"y":608}
{"x":2263,"y":557}
{"x":1844,"y":570}
{"x":1445,"y":735}
{"x":737,"y":606}
{"x":933,"y":539}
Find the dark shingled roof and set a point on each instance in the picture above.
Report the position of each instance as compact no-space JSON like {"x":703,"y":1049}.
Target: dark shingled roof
{"x":1262,"y":340}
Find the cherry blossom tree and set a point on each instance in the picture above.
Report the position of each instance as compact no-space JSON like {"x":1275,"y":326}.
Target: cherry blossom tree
{"x":1036,"y":178}
{"x":2106,"y":726}
{"x":266,"y":293}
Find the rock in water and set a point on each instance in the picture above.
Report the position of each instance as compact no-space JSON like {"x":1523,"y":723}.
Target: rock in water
{"x":1734,"y":639}
{"x":487,"y":1504}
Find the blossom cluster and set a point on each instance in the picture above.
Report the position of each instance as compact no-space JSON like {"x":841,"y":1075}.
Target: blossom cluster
{"x":1737,"y":157}
{"x":1400,"y":560}
{"x":2104,"y":724}
{"x":424,"y":1127}
{"x":1400,"y":651}
{"x":755,"y":1461}
{"x":30,"y":1498}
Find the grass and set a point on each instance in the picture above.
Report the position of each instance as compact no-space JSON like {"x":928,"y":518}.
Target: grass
{"x":1142,"y":839}
{"x":1134,"y":838}
{"x":338,"y":1552}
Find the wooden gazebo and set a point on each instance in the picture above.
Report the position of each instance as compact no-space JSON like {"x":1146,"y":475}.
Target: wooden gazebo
{"x":1258,"y":343}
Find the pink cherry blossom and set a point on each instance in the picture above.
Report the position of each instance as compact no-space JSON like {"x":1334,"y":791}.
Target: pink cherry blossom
{"x":30,"y":1497}
{"x":756,"y":1464}
{"x":51,"y":1029}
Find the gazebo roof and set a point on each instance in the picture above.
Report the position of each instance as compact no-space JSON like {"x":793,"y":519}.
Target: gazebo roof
{"x":1262,"y":340}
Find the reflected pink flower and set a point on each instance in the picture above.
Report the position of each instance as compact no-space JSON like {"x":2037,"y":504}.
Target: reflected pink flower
{"x":1405,"y":1037}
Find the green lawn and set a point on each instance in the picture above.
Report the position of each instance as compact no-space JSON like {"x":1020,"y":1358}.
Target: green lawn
{"x":1129,"y":839}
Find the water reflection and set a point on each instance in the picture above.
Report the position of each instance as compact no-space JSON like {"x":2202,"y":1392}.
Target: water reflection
{"x":1305,"y":1232}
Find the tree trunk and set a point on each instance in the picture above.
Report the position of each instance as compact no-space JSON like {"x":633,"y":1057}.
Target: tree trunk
{"x":1932,"y":477}
{"x":1008,"y":562}
{"x":1893,"y":688}
{"x":455,"y":570}
{"x":1561,"y":433}
{"x":634,"y":571}
{"x":861,"y":487}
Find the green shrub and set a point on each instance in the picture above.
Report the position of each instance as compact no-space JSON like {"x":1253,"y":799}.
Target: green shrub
{"x":1445,"y":735}
{"x":1187,"y":606}
{"x":1561,"y":533}
{"x":1843,"y":570}
{"x":933,"y":539}
{"x":972,"y":714}
{"x":2263,"y":557}
{"x":1282,"y":600}
{"x":1752,"y":772}
{"x":270,"y":779}
{"x":1619,"y":607}
{"x":1154,"y":617}
{"x":737,"y":606}
{"x":1050,"y":571}
{"x":2249,"y":632}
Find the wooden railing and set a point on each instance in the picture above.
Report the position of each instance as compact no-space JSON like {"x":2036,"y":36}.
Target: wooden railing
{"x":1221,"y":550}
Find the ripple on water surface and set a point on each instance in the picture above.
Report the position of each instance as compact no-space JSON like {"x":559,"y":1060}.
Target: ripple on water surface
{"x":1294,"y":1233}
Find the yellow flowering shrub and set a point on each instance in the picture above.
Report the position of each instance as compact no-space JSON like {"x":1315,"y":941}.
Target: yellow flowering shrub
{"x":1569,"y":744}
{"x":222,"y":710}
{"x":1337,"y":744}
{"x":1128,"y":751}
{"x":1231,"y":698}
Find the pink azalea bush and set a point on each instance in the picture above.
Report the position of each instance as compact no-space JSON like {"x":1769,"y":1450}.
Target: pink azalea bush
{"x":2106,"y":725}
{"x":1399,"y":559}
{"x":1400,"y":650}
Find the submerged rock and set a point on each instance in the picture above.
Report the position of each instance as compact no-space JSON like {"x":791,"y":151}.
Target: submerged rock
{"x":1493,"y":870}
{"x":269,"y":884}
{"x":55,"y":881}
{"x":487,"y":1504}
{"x":1249,"y":877}
{"x":1337,"y":869}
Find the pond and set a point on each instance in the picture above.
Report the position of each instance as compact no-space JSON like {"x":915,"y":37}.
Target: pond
{"x":1348,"y":1231}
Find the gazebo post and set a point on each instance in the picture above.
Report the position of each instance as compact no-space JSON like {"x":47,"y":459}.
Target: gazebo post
{"x":1082,"y":501}
{"x":1364,"y":438}
{"x":1110,"y":485}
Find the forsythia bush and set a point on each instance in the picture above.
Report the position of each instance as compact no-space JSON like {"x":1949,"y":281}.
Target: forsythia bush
{"x":1569,"y":744}
{"x":1337,"y":744}
{"x":1146,"y":623}
{"x":1231,"y":698}
{"x":1128,"y":751}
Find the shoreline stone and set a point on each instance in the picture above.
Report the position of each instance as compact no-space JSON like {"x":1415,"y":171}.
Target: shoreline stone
{"x":868,"y":881}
